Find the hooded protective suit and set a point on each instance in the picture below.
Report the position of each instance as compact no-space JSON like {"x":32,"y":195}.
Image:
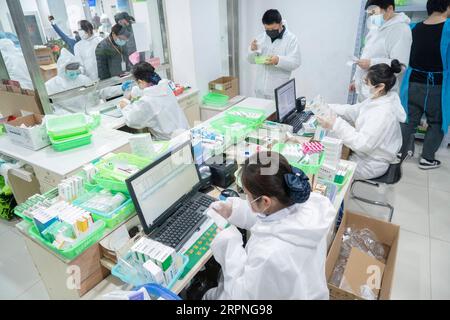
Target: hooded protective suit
{"x":284,"y":257}
{"x":85,"y":53}
{"x":376,"y":136}
{"x":62,"y":83}
{"x":15,"y":64}
{"x":392,"y":41}
{"x":158,"y":110}
{"x":270,"y":77}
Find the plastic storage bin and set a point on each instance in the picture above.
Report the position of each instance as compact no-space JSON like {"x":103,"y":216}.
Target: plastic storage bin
{"x":67,"y":126}
{"x":158,"y":292}
{"x":71,"y":143}
{"x":112,"y":218}
{"x":130,"y":271}
{"x":78,"y":247}
{"x":261,"y":59}
{"x":307,"y":169}
{"x":215,"y":99}
{"x":232,"y":128}
{"x":238,"y":114}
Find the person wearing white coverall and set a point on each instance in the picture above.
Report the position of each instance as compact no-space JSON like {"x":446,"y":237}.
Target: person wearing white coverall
{"x":285,"y":255}
{"x":281,"y":48}
{"x":371,"y":129}
{"x":85,"y":49}
{"x":389,"y":38}
{"x":15,"y":64}
{"x":157,"y":109}
{"x":70,"y":77}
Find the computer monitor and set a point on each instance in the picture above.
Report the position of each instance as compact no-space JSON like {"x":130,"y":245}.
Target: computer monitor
{"x":161,"y":186}
{"x":285,"y":99}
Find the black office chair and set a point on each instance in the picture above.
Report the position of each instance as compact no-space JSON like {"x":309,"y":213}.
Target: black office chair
{"x":392,"y":176}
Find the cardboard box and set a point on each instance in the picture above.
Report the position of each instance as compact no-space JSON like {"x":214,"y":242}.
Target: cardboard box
{"x":345,"y":153}
{"x":387,"y":233}
{"x":34,"y":137}
{"x":49,"y":71}
{"x":44,"y":56}
{"x":225,"y":85}
{"x":12,"y":103}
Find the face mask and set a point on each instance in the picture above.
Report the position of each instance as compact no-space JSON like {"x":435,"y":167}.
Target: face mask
{"x":83,"y":35}
{"x":368,"y":91}
{"x":273,"y":34}
{"x":376,"y":21}
{"x":120,"y":42}
{"x":72,"y":74}
{"x":250,"y":204}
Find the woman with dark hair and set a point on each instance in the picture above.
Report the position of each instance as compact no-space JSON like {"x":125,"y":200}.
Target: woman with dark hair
{"x":426,"y":88}
{"x":85,"y":49}
{"x":285,"y":255}
{"x":371,"y":129}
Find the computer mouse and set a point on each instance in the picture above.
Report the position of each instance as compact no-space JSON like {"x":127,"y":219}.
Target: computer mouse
{"x":228,"y":193}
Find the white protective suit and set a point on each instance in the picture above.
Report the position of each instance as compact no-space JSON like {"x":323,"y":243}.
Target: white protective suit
{"x":269,"y":77}
{"x":85,"y":53}
{"x":392,"y":41}
{"x":15,"y":64}
{"x":61,"y":83}
{"x":284,"y":257}
{"x":376,"y":136}
{"x":158,"y":110}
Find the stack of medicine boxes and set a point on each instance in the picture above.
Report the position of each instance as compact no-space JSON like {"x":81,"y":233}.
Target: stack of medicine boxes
{"x":333,"y":152}
{"x":159,"y":261}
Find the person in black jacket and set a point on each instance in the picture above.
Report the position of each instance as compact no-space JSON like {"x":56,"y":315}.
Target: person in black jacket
{"x":112,"y":54}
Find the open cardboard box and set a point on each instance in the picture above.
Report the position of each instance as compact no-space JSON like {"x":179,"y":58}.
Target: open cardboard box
{"x":226,"y":85}
{"x":33,"y":137}
{"x":387,"y":233}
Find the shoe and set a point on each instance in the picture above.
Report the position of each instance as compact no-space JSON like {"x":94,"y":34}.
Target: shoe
{"x":425,"y":164}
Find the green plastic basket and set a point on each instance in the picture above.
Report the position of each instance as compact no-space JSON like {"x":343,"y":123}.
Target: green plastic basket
{"x":67,"y":126}
{"x":113,"y":218}
{"x":79,"y":247}
{"x":232,"y":128}
{"x":240,"y":114}
{"x":106,"y":166}
{"x":261,"y":59}
{"x":341,"y":185}
{"x":215,"y":99}
{"x":71,"y":143}
{"x":307,"y":169}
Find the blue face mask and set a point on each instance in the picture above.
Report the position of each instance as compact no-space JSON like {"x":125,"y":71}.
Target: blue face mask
{"x":377,"y":20}
{"x":120,"y":42}
{"x":72,"y":74}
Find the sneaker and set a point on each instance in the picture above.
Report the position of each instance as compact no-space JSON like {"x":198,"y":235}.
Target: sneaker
{"x":425,"y":164}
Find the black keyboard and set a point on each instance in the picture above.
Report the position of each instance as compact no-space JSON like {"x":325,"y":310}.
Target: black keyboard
{"x":299,"y":119}
{"x":183,"y":222}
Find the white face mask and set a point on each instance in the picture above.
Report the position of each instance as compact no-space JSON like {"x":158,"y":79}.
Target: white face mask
{"x":83,"y":35}
{"x":376,"y":21}
{"x":251,"y":207}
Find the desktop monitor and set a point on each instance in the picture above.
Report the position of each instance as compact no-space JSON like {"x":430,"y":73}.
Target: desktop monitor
{"x":285,"y":99}
{"x":160,"y":187}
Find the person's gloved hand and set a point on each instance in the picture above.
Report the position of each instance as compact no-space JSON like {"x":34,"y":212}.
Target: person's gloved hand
{"x":223,"y":208}
{"x":127,"y":85}
{"x":327,"y":122}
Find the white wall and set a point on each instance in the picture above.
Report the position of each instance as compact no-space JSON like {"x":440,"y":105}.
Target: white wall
{"x":75,"y":13}
{"x":194,"y":36}
{"x":326,"y":31}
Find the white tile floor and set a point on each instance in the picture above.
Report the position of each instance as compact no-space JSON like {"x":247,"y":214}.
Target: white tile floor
{"x":422,"y":209}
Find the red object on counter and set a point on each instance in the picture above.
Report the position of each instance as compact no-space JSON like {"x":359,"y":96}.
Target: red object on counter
{"x":178,"y":90}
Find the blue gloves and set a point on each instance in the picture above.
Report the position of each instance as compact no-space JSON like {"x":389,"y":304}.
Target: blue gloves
{"x":127,"y":85}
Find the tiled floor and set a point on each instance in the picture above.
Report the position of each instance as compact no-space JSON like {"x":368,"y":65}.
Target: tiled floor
{"x":422,"y":209}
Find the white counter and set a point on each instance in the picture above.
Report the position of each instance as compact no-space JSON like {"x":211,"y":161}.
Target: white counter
{"x":62,"y":163}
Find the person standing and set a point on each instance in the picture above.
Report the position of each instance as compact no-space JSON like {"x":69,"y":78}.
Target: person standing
{"x":426,"y":87}
{"x":68,"y":40}
{"x":281,"y":49}
{"x":389,"y":38}
{"x":85,"y":49}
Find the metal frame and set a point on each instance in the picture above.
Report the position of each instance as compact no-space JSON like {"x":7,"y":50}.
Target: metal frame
{"x":18,"y":18}
{"x":167,"y":66}
{"x":233,"y":36}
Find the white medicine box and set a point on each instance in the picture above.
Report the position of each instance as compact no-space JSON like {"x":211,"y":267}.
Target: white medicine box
{"x":28,"y":131}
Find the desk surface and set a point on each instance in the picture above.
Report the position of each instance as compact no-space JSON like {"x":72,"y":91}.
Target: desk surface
{"x":62,"y":163}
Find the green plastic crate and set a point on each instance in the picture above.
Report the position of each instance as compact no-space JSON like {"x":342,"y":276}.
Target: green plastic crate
{"x":106,"y":166}
{"x":215,"y":99}
{"x":234,"y":129}
{"x":67,"y":126}
{"x":307,"y":169}
{"x":234,"y":114}
{"x":111,"y":219}
{"x":79,"y":247}
{"x":71,"y":143}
